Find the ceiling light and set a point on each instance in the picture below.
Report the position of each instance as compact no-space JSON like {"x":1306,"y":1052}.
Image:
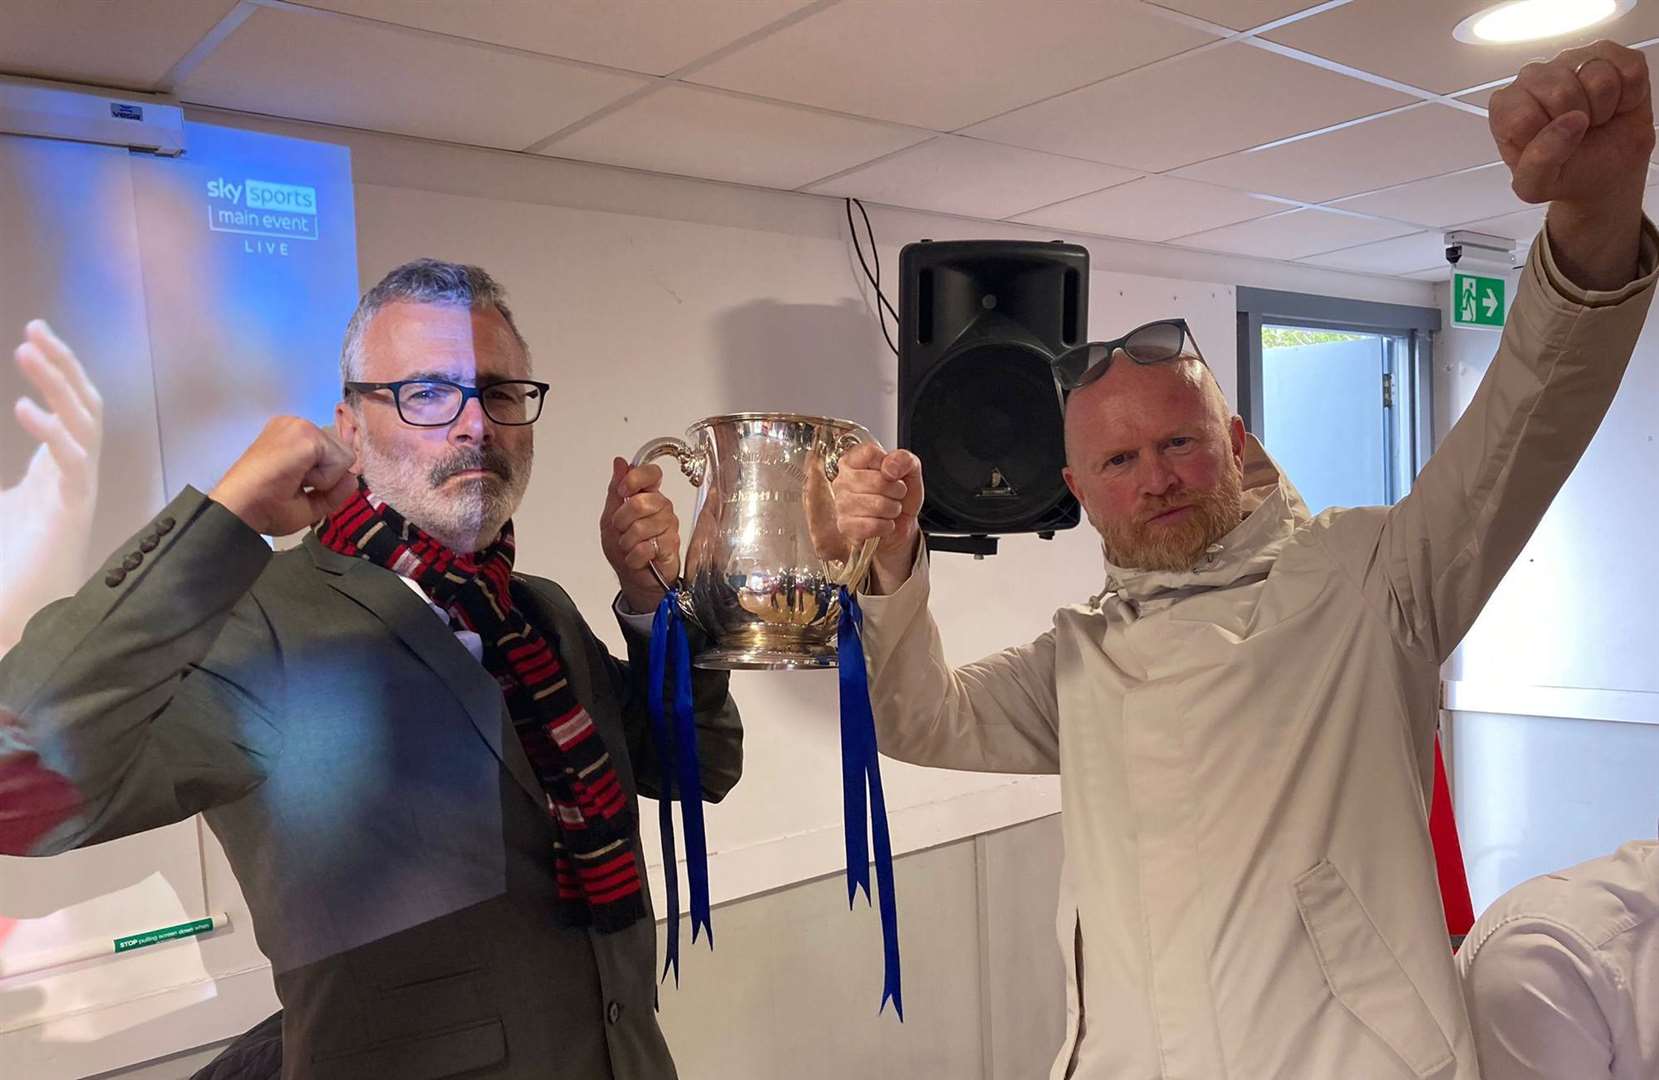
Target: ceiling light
{"x":1531,"y":20}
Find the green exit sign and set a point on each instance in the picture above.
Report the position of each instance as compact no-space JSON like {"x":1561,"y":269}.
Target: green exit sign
{"x":1477,"y":301}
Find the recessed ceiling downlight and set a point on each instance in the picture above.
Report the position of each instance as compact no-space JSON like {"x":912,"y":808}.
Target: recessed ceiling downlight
{"x":1533,"y":20}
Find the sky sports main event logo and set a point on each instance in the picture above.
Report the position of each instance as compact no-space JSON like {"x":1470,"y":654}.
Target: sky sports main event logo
{"x":272,"y":213}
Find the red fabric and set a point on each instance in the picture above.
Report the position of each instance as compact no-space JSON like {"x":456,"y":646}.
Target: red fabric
{"x":34,"y":800}
{"x":1448,"y":853}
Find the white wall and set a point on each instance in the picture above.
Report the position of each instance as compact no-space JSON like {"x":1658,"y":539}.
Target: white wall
{"x":1554,"y":695}
{"x":792,"y":989}
{"x":651,"y":301}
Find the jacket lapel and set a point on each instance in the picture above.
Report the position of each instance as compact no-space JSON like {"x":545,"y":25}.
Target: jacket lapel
{"x":412,"y":622}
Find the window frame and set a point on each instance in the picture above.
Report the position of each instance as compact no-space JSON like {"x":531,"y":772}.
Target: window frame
{"x":1413,"y":374}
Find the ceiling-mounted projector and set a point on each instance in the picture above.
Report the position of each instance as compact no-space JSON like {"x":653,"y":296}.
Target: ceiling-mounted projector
{"x":92,"y":115}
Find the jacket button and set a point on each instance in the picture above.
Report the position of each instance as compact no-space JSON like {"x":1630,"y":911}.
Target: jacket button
{"x":165,"y":526}
{"x":115,"y":577}
{"x":614,"y":1013}
{"x":149,"y":543}
{"x":131,"y":562}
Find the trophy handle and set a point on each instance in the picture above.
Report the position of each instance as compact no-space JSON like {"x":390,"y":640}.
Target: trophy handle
{"x":856,"y":567}
{"x":832,"y":460}
{"x":692,"y":463}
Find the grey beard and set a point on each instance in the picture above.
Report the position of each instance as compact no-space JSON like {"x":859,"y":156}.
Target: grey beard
{"x":465,"y":521}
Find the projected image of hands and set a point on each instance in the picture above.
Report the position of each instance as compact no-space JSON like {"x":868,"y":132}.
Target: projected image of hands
{"x":46,"y":515}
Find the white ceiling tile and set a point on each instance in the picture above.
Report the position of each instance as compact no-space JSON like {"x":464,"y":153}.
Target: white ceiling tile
{"x":1411,"y":41}
{"x":1483,"y":98}
{"x":1294,"y":235}
{"x":1402,"y":255}
{"x":1439,"y":273}
{"x":1191,"y":108}
{"x":1238,"y":14}
{"x":130,"y":44}
{"x":957,"y":175}
{"x":943,"y":65}
{"x":1403,"y":146}
{"x":1154,"y":208}
{"x":641,"y":35}
{"x":341,"y":71}
{"x":692,"y":131}
{"x":1520,"y":227}
{"x":1443,"y":200}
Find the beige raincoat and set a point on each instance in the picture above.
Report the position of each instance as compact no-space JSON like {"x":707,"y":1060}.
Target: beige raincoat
{"x":1245,"y":749}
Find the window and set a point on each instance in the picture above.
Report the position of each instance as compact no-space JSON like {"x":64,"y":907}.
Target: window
{"x":1338,"y":392}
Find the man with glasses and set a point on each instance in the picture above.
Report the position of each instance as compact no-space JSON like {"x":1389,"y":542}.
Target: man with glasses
{"x":1243,"y":718}
{"x":422,"y":764}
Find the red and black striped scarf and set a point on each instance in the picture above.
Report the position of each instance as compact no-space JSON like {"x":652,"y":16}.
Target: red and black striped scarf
{"x":599,"y":883}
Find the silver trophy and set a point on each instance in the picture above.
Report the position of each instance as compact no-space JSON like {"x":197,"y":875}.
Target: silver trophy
{"x":765,"y":563}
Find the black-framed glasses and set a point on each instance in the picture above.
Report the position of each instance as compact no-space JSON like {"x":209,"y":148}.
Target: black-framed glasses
{"x":1150,"y":343}
{"x":437,"y":402}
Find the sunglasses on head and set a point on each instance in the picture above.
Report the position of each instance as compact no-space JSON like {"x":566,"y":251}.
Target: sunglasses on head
{"x":1152,"y":343}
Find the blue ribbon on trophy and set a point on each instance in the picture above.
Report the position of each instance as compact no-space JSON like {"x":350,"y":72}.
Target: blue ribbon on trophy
{"x":861,"y":773}
{"x":677,"y":749}
{"x":764,"y":489}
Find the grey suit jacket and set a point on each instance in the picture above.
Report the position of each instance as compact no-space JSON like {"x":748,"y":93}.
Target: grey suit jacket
{"x":360,"y":769}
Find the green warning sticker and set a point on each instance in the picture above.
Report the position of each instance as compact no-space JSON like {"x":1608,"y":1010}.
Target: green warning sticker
{"x":166,"y":933}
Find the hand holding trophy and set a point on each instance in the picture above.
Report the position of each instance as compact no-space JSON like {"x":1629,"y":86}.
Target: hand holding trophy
{"x":771,"y":578}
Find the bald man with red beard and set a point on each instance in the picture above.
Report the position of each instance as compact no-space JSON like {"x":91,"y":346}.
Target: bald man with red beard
{"x":1243,"y":717}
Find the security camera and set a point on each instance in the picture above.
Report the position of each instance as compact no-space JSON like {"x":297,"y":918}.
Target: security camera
{"x":1482,"y":251}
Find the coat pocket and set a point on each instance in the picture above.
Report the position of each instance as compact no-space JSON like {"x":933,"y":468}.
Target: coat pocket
{"x":431,"y":1057}
{"x":1364,"y":975}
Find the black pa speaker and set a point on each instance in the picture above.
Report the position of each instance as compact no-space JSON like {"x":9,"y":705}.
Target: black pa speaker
{"x":979,"y":322}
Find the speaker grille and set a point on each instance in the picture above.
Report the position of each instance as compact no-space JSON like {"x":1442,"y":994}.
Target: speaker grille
{"x":987,"y":425}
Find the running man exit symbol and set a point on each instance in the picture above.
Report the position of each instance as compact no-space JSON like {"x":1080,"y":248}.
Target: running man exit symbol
{"x":1478,"y":301}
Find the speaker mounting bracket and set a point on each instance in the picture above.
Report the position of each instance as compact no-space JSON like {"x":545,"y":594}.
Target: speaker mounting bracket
{"x":978,"y":545}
